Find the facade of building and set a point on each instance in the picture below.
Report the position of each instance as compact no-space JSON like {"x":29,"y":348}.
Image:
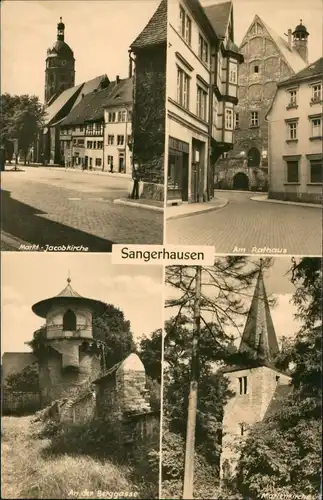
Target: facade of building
{"x":202,"y":69}
{"x":258,"y":385}
{"x":268,"y":59}
{"x":295,"y":137}
{"x":148,"y":54}
{"x":118,"y":128}
{"x":60,"y":67}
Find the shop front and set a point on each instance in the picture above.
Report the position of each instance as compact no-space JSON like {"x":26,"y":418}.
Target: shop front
{"x":178,"y":171}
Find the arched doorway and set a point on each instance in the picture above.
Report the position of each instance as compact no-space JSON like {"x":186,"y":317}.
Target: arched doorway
{"x":69,"y":321}
{"x":241,"y":182}
{"x":253,"y":157}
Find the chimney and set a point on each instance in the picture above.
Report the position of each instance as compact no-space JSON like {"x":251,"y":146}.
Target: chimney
{"x":117,"y":79}
{"x":290,"y":39}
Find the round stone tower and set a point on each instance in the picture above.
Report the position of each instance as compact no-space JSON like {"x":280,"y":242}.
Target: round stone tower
{"x":69,"y":357}
{"x":60,"y":66}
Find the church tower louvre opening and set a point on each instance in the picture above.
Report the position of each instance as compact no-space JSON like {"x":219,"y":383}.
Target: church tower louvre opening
{"x":256,"y":382}
{"x":60,"y":66}
{"x":69,"y":358}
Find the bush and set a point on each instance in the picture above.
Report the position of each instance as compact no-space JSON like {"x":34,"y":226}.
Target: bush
{"x":50,"y":429}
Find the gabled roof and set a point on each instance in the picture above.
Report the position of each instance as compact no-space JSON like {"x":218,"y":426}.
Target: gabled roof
{"x":71,"y":97}
{"x":15,"y":362}
{"x":121,"y":93}
{"x":259,"y":336}
{"x":219,"y":16}
{"x":281,"y":393}
{"x":291,"y":56}
{"x":155,"y":32}
{"x":91,"y":106}
{"x":313,"y":70}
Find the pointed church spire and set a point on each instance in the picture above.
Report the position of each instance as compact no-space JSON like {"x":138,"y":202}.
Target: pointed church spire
{"x":259,"y":337}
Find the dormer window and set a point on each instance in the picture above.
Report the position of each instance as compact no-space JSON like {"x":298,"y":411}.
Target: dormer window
{"x":316,"y":92}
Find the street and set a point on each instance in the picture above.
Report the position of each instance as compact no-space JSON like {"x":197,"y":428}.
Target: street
{"x":50,"y":207}
{"x":246,"y":226}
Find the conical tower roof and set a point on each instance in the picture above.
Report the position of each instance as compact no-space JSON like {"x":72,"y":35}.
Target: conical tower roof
{"x":68,"y":295}
{"x":259,"y":336}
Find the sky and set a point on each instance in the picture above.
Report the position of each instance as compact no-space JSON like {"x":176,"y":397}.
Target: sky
{"x":280,"y":15}
{"x":98,"y":31}
{"x":101,"y":31}
{"x":30,"y":277}
{"x":278,"y":286}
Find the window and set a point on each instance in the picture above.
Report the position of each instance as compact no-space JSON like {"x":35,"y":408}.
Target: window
{"x":292,"y":171}
{"x":292,"y":131}
{"x":254,"y":119}
{"x":111,"y":117}
{"x":316,"y":127}
{"x":90,"y":129}
{"x":277,"y":379}
{"x":100,"y":144}
{"x":74,"y":142}
{"x":94,"y":144}
{"x":201,"y":103}
{"x":80,"y":142}
{"x":89,"y":144}
{"x":224,"y":156}
{"x":236,"y":123}
{"x":316,"y":171}
{"x":183,"y":88}
{"x":111,"y":140}
{"x":203,"y":50}
{"x":229,"y":119}
{"x":316,"y":93}
{"x":81,"y":128}
{"x":110,"y":160}
{"x":292,"y":98}
{"x":98,"y":162}
{"x":121,"y":116}
{"x":233,"y":73}
{"x":69,"y":321}
{"x":120,"y":140}
{"x":185,"y":25}
{"x":256,"y":69}
{"x":243,"y":385}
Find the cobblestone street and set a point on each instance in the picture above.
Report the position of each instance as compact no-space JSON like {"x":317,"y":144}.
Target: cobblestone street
{"x":245,"y":224}
{"x":56,"y":207}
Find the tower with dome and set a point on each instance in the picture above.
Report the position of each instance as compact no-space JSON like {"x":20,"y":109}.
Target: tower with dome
{"x":60,"y":66}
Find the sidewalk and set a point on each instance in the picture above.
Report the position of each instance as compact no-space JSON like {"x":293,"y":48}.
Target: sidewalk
{"x":188,"y":209}
{"x":78,"y":170}
{"x":157,"y":206}
{"x":264,"y":198}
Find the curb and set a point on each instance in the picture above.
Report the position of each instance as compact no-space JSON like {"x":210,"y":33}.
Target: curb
{"x":137,"y":205}
{"x":239,"y":191}
{"x":224,"y":203}
{"x":293,"y":203}
{"x":12,"y":241}
{"x":88,"y":172}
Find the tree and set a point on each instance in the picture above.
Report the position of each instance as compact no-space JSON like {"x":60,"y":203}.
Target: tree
{"x":282,"y":455}
{"x":24,"y":381}
{"x":150,"y":351}
{"x":22,"y":118}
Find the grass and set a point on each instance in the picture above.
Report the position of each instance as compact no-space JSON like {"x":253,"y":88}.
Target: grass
{"x":27,"y":473}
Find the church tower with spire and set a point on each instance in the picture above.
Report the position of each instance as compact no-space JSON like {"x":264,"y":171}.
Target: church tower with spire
{"x":300,"y":40}
{"x":60,"y":66}
{"x":69,"y":357}
{"x":254,"y":385}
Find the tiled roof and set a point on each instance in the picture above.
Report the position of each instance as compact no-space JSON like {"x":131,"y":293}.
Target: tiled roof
{"x":313,"y":70}
{"x":259,"y":337}
{"x":219,"y":16}
{"x":155,"y":32}
{"x":91,"y":107}
{"x":281,"y":393}
{"x":121,"y":93}
{"x":62,"y":100}
{"x":68,"y":291}
{"x":71,"y":97}
{"x":15,"y":362}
